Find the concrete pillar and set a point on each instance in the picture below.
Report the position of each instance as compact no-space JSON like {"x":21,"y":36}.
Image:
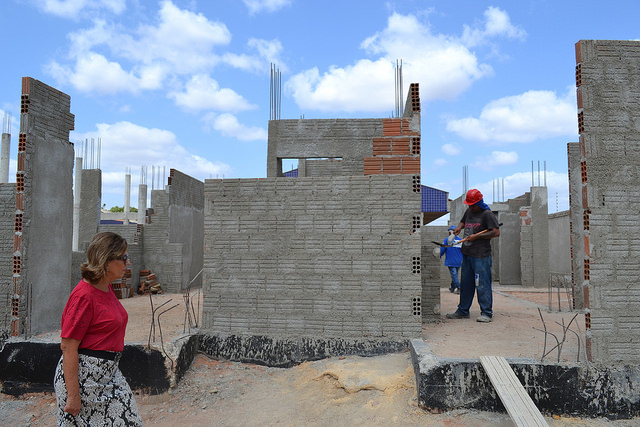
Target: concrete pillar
{"x":4,"y":158}
{"x":540,"y":237}
{"x":142,"y":203}
{"x":76,"y":204}
{"x":127,"y":196}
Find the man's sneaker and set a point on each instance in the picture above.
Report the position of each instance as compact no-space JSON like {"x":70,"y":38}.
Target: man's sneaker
{"x":484,"y":319}
{"x":457,"y":291}
{"x":457,"y":315}
{"x":452,"y":290}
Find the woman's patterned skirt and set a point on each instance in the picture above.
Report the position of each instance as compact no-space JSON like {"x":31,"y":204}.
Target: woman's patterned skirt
{"x":106,"y":397}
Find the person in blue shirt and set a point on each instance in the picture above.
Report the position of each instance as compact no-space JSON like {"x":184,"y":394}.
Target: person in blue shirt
{"x":452,"y":258}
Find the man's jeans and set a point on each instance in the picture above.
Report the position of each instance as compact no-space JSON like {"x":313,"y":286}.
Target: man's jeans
{"x":471,"y":267}
{"x":455,"y":282}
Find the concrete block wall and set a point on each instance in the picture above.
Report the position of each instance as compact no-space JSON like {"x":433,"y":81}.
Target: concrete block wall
{"x":43,"y":210}
{"x":509,"y":244}
{"x":331,"y":257}
{"x":576,"y":234}
{"x":350,"y":140}
{"x":161,"y":256}
{"x":534,"y":240}
{"x":526,"y":247}
{"x":186,"y":224}
{"x":559,"y":243}
{"x":90,"y":199}
{"x":608,"y":81}
{"x":435,"y":275}
{"x":7,"y":222}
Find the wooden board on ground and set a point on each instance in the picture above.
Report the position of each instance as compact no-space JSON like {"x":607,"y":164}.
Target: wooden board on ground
{"x":514,"y":397}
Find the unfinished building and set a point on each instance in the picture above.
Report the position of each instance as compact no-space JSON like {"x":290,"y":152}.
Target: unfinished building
{"x":323,"y":264}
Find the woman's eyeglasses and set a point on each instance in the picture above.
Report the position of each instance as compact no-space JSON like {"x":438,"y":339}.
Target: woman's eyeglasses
{"x":124,"y":257}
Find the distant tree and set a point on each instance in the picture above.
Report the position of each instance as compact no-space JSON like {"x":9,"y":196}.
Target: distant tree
{"x":121,"y":209}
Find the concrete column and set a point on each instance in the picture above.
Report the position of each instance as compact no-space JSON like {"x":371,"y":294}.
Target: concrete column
{"x":142,"y":203}
{"x":540,"y":219}
{"x":76,"y":204}
{"x":4,"y":158}
{"x":127,"y":196}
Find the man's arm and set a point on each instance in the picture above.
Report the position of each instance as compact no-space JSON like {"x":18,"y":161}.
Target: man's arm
{"x":485,"y":234}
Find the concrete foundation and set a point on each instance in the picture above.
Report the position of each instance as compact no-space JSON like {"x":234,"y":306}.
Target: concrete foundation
{"x":29,"y":366}
{"x":582,"y":390}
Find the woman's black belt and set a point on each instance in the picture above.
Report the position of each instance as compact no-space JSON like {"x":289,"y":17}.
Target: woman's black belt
{"x":101,"y":354}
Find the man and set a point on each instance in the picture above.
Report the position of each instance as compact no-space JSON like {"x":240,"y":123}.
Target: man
{"x":452,"y":258}
{"x":480,"y":226}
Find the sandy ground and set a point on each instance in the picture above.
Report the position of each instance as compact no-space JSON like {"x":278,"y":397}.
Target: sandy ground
{"x":345,"y":391}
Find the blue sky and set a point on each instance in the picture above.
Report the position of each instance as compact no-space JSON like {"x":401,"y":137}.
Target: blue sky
{"x":185,"y":83}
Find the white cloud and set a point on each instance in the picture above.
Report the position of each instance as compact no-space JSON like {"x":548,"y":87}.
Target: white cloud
{"x":497,"y":24}
{"x":496,"y":158}
{"x":256,"y":6}
{"x":442,"y":64}
{"x":94,"y":73}
{"x":440,"y":162}
{"x":521,"y":118}
{"x":364,"y":86}
{"x":450,"y":149}
{"x":73,"y":8}
{"x":181,"y":42}
{"x":268,"y":51}
{"x":203,"y":93}
{"x":228,"y":125}
{"x":123,"y":142}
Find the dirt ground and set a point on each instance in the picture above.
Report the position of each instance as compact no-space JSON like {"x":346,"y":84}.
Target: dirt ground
{"x":343,"y":391}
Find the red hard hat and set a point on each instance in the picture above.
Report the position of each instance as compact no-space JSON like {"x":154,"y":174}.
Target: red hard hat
{"x":473,"y":197}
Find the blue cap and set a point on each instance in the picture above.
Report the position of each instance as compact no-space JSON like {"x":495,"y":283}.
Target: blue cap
{"x":452,"y":227}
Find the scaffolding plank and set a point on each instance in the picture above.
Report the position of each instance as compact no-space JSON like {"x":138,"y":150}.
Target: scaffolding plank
{"x":518,"y":403}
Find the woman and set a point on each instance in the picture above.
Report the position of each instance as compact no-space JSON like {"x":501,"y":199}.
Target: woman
{"x":90,"y":389}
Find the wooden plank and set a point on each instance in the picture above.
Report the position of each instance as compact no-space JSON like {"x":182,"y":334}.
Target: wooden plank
{"x":518,"y":403}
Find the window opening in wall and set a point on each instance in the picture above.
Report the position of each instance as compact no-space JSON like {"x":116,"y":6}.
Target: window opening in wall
{"x":295,"y":167}
{"x":290,"y":168}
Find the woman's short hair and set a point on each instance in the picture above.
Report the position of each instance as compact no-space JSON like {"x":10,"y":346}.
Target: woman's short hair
{"x":103,"y":248}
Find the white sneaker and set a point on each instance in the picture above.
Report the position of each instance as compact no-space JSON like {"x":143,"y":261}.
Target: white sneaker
{"x":484,"y":319}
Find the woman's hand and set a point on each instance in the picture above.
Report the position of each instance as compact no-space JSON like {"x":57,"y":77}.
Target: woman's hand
{"x":73,"y":405}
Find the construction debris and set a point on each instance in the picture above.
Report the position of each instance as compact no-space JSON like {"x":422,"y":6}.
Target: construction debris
{"x":149,"y":283}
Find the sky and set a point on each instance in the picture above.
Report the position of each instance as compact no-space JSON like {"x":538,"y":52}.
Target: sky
{"x":184,"y":84}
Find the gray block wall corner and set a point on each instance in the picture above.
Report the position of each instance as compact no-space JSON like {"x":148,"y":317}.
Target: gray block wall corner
{"x":44,"y":208}
{"x":607,"y":81}
{"x":174,"y":237}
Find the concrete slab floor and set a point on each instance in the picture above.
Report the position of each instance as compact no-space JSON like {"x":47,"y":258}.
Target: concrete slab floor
{"x":514,"y":331}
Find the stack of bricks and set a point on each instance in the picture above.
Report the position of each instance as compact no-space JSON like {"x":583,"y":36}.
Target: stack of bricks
{"x":398,"y":150}
{"x":149,"y":283}
{"x":122,"y":286}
